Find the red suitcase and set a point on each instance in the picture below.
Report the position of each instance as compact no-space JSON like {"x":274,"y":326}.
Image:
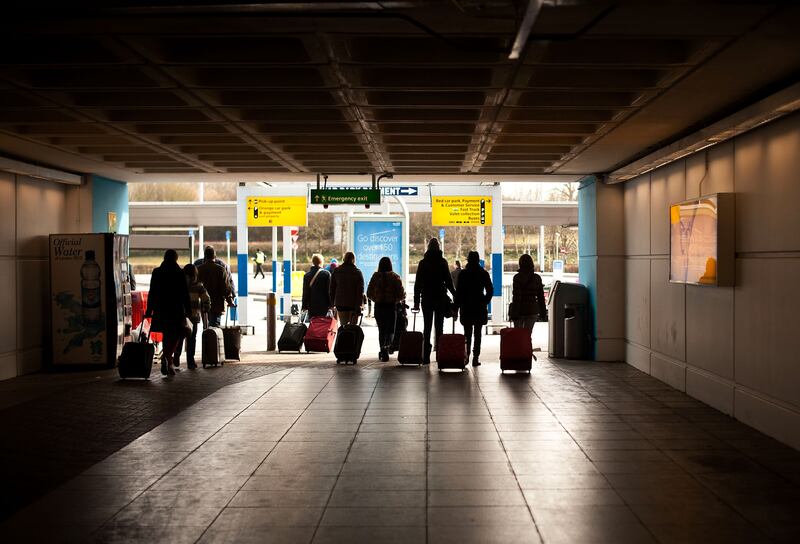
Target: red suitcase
{"x":516,"y":350}
{"x":321,"y":334}
{"x":451,"y":351}
{"x":138,"y":309}
{"x":410,"y":350}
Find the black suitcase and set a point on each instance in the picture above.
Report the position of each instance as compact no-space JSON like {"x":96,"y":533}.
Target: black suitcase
{"x":292,"y":337}
{"x":136,"y":359}
{"x":348,"y":343}
{"x":410,"y":349}
{"x":232,"y":340}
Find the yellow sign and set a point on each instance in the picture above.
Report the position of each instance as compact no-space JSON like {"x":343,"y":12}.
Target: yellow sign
{"x":276,"y":211}
{"x":461,"y":211}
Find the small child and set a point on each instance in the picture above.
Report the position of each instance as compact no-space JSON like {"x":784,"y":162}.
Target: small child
{"x":201,"y":305}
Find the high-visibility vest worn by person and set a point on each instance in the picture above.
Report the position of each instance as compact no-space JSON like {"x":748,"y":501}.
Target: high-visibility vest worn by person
{"x":260,"y":257}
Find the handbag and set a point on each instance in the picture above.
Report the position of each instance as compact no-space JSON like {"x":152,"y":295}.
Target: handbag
{"x":447,"y":306}
{"x":513,"y":312}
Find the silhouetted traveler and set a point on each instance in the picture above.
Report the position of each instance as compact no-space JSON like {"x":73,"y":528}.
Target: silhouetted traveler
{"x":473,"y":294}
{"x":216,"y":279}
{"x":455,"y":272}
{"x":386,"y":291}
{"x":259,"y":260}
{"x":169,"y":306}
{"x":200,"y":305}
{"x":316,"y":289}
{"x":223,"y":264}
{"x":347,"y":290}
{"x":432,"y":283}
{"x":527,"y":296}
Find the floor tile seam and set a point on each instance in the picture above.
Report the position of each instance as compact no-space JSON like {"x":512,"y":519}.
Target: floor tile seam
{"x":349,"y":449}
{"x":510,"y":464}
{"x":427,"y":448}
{"x":244,"y":482}
{"x":691,"y":476}
{"x":605,"y":476}
{"x":152,"y":484}
{"x":732,"y":447}
{"x":188,"y":453}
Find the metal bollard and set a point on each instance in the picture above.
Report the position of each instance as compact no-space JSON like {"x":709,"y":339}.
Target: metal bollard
{"x":272,"y":301}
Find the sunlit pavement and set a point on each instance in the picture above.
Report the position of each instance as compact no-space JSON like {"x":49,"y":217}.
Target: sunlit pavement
{"x":575,"y":452}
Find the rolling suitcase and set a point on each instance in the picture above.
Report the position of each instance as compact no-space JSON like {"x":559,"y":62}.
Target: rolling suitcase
{"x":136,"y":359}
{"x":348,"y":343}
{"x":516,"y":350}
{"x":321,"y":334}
{"x":292,"y":336}
{"x":451,"y":351}
{"x":410,"y":350}
{"x":232,"y":339}
{"x":213,"y":347}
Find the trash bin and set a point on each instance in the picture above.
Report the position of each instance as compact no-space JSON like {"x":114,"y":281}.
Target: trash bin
{"x":574,"y":331}
{"x":563,"y":295}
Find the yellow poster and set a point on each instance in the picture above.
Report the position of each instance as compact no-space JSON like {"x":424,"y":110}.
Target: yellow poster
{"x":461,"y":211}
{"x":277,"y":211}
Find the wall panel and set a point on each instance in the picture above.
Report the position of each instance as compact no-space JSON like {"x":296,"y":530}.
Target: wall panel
{"x":740,"y":344}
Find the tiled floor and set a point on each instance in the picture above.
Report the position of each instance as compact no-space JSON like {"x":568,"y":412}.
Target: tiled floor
{"x":576,"y":452}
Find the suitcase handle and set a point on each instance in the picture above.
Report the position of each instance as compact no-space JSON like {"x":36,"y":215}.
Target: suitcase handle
{"x":141,"y":330}
{"x":414,"y":313}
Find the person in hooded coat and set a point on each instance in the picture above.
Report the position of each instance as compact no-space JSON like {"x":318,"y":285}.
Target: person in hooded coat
{"x":473,"y":295}
{"x":527,"y":296}
{"x":432,"y":283}
{"x":316,"y":287}
{"x":347,"y":290}
{"x":169,"y":305}
{"x":386,"y":290}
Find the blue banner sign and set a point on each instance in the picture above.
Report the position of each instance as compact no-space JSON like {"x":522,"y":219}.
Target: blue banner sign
{"x":375,"y":239}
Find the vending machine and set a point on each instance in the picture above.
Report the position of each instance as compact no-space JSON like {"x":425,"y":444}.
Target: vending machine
{"x":90,"y":298}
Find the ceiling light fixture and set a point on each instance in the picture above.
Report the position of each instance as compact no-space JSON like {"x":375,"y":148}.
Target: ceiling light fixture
{"x":531,"y":13}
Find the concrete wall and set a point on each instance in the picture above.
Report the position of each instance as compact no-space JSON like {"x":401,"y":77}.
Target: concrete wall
{"x":30,"y":209}
{"x":734,"y":348}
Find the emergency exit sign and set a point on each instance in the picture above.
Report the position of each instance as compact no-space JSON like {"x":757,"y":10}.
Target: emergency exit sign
{"x":345,"y":196}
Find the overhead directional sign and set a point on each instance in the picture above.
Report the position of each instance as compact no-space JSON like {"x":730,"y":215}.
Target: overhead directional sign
{"x":406,"y":190}
{"x":276,"y":211}
{"x":345,"y":196}
{"x":461,"y":211}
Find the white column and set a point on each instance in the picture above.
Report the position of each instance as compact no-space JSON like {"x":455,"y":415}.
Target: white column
{"x":287,"y":272}
{"x":497,"y":254}
{"x":480,"y":243}
{"x":275,"y":260}
{"x":541,"y":249}
{"x":241,"y":251}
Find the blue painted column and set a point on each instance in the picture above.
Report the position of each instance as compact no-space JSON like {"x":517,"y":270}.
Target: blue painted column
{"x":602,"y":265}
{"x":241,"y":253}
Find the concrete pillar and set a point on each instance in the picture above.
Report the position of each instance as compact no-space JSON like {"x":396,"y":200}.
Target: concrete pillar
{"x":602,"y":264}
